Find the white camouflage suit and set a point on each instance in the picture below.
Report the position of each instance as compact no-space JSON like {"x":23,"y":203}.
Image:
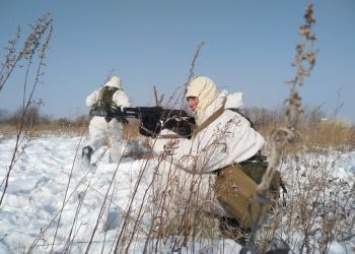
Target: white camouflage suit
{"x":228,"y":139}
{"x":101,"y":131}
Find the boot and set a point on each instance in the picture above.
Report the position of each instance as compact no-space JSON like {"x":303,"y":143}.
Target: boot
{"x":279,"y":246}
{"x":230,"y":228}
{"x":86,"y":153}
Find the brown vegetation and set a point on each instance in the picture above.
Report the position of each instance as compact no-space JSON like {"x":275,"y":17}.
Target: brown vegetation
{"x":315,"y":134}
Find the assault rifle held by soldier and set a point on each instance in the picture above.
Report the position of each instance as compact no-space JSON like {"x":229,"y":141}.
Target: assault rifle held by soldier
{"x":152,"y":119}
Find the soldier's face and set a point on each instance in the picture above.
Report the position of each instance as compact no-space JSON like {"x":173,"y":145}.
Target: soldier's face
{"x":192,"y":102}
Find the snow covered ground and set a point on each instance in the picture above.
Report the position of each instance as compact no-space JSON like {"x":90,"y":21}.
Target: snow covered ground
{"x":52,"y":202}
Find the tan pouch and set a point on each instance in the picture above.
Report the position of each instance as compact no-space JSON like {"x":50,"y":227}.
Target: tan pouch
{"x":256,"y":171}
{"x":234,"y":190}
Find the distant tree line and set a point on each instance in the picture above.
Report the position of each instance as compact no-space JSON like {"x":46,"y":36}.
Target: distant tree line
{"x":259,"y":116}
{"x":32,"y":117}
{"x":266,"y":117}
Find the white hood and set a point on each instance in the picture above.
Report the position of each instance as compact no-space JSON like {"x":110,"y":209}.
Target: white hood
{"x":114,"y":81}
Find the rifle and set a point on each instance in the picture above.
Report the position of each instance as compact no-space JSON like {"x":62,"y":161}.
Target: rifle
{"x":152,"y":119}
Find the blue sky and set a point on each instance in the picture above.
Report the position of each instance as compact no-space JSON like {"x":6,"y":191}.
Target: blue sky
{"x":249,"y":47}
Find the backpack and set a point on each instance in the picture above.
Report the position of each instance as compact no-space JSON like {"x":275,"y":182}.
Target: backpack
{"x":105,"y":101}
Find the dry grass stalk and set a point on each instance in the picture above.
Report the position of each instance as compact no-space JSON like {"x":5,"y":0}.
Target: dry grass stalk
{"x":304,"y":63}
{"x":34,"y":49}
{"x":294,"y":106}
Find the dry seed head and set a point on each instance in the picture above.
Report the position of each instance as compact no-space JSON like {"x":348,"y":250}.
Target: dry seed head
{"x":303,"y":72}
{"x":312,"y":37}
{"x":304,"y":30}
{"x":300,"y":47}
{"x":310,"y":57}
{"x":295,"y":96}
{"x":309,"y":17}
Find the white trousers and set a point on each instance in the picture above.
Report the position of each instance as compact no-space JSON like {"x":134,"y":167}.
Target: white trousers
{"x":106,"y":133}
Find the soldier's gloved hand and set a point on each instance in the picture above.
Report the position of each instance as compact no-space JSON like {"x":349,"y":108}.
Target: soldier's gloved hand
{"x":181,"y":127}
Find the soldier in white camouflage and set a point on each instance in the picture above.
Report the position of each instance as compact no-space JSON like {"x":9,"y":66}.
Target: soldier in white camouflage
{"x":106,"y":130}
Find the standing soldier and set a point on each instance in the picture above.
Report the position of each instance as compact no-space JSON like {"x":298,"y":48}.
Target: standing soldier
{"x":108,"y":129}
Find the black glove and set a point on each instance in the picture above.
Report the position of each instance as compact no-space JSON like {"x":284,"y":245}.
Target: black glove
{"x":182,"y":127}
